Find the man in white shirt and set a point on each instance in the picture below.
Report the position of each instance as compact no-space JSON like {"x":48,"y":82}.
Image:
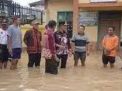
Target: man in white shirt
{"x":3,"y":45}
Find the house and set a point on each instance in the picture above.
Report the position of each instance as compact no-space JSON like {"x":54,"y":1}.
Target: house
{"x":40,"y":6}
{"x":96,"y":15}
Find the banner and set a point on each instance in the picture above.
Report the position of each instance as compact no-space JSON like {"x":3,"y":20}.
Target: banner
{"x":88,"y":18}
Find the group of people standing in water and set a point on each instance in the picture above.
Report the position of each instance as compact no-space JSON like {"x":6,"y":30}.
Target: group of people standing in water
{"x":54,"y":46}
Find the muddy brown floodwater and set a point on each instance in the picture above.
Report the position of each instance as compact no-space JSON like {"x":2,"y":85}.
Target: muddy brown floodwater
{"x":93,"y":77}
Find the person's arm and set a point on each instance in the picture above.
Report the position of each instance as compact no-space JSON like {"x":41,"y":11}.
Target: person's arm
{"x":116,"y":44}
{"x":9,"y":38}
{"x":41,"y":39}
{"x":9,"y":44}
{"x":73,"y":43}
{"x":26,"y":37}
{"x":87,"y":46}
{"x":57,"y":41}
{"x":106,"y":51}
{"x":103,"y":43}
{"x":44,"y":40}
{"x":40,"y":36}
{"x":51,"y":43}
{"x":69,"y":44}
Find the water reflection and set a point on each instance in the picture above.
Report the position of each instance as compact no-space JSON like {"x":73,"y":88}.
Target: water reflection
{"x":91,"y":78}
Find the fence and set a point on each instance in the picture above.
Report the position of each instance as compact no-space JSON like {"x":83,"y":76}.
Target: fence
{"x":8,"y":9}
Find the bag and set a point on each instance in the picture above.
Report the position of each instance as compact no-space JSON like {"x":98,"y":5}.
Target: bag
{"x":46,"y":53}
{"x":51,"y":66}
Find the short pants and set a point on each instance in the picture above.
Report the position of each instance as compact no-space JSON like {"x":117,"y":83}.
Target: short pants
{"x":16,"y":53}
{"x":108,"y":59}
{"x":4,"y":53}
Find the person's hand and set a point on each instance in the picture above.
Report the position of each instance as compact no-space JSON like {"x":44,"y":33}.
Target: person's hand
{"x":10,"y":51}
{"x":54,"y":55}
{"x":62,"y":47}
{"x":106,"y":51}
{"x":70,"y":52}
{"x":87,"y":53}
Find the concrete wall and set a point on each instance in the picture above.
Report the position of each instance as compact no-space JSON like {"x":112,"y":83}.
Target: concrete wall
{"x":87,"y":1}
{"x":92,"y":32}
{"x":119,"y":0}
{"x":121,"y":31}
{"x":84,"y":1}
{"x":55,"y":6}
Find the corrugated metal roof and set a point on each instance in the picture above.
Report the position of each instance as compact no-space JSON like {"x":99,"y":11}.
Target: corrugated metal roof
{"x":41,"y":2}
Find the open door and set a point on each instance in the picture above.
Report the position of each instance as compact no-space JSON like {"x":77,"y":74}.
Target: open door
{"x":107,"y":19}
{"x":68,"y":18}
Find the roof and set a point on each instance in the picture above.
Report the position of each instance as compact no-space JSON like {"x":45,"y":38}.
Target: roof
{"x":101,"y":6}
{"x":41,"y":2}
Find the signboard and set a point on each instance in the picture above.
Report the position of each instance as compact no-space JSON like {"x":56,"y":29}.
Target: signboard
{"x":88,"y":18}
{"x":103,"y":0}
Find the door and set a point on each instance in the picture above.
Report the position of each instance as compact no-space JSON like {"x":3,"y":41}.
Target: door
{"x":68,"y":18}
{"x":107,"y":19}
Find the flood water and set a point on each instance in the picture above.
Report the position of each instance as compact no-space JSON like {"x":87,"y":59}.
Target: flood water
{"x":93,"y":77}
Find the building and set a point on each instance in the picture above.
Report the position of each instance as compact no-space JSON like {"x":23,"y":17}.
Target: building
{"x":96,"y":15}
{"x":40,"y":6}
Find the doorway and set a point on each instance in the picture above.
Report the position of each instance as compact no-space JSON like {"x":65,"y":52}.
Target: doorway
{"x":66,"y":17}
{"x":107,"y":19}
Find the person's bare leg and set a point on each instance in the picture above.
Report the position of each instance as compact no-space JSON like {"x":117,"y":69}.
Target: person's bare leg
{"x":105,"y":65}
{"x":83,"y":63}
{"x":76,"y":63}
{"x":112,"y":65}
{"x":5,"y":65}
{"x":13,"y":64}
{"x":1,"y":64}
{"x":16,"y":62}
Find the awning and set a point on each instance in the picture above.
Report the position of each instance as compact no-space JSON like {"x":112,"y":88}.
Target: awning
{"x":101,"y":6}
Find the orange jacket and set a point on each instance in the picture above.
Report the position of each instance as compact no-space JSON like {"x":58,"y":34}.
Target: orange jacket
{"x":111,"y":43}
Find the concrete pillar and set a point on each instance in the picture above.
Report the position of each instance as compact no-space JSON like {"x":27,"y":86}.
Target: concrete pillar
{"x":75,"y":15}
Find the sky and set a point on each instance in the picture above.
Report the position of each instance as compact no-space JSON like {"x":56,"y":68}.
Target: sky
{"x":24,"y":2}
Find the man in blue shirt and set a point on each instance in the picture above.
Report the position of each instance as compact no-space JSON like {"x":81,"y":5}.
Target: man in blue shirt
{"x":15,"y":42}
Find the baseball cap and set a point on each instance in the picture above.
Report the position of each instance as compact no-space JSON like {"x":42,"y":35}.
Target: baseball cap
{"x":35,"y":22}
{"x":4,"y":22}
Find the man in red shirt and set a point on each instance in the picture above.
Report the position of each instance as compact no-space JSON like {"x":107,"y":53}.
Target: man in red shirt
{"x":33,"y":39}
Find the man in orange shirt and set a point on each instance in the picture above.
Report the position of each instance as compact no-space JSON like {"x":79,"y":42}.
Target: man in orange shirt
{"x":110,"y":45}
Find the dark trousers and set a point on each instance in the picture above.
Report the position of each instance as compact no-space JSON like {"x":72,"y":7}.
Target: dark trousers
{"x":63,"y":59}
{"x":108,"y":59}
{"x":34,"y":59}
{"x":51,"y":66}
